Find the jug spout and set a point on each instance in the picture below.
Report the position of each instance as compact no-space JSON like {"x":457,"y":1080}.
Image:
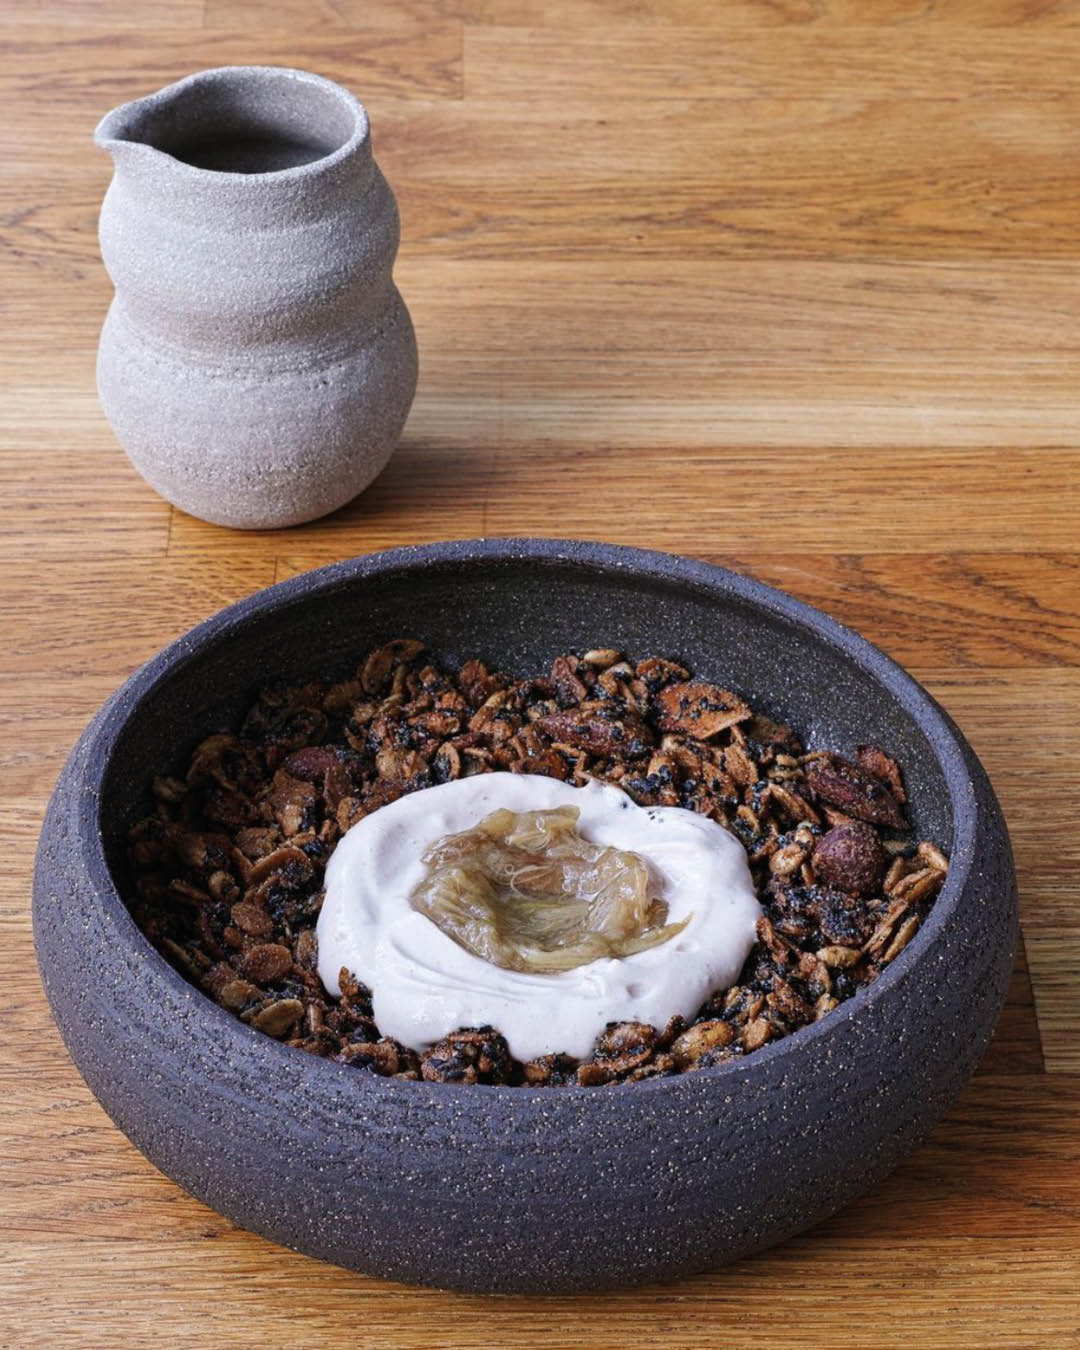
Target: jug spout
{"x":122,"y":125}
{"x":124,"y":133}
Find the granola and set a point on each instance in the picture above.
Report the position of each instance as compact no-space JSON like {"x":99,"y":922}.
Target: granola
{"x":226,"y":874}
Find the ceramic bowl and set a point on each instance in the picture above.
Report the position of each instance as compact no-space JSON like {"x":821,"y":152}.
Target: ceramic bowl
{"x":511,"y":1189}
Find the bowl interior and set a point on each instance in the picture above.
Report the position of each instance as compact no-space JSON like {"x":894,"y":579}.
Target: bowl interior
{"x":516,"y":613}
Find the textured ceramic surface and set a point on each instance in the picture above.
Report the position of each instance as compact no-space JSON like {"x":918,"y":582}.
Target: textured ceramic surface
{"x":490,"y":1188}
{"x":257,"y":363}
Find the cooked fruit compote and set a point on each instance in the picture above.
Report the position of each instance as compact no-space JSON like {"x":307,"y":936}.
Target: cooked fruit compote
{"x":542,"y":909}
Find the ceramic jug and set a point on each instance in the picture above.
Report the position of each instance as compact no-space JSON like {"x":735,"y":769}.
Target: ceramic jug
{"x":257,"y":362}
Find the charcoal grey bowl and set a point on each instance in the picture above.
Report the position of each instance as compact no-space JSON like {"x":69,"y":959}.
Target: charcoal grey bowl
{"x":507,"y":1189}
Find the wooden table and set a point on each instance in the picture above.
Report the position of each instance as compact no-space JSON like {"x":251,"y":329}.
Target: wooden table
{"x":790,"y":285}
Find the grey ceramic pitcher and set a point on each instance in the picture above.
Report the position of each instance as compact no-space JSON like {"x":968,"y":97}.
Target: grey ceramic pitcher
{"x":257,"y":362}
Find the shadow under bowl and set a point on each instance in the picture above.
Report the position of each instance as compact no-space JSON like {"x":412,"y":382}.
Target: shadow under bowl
{"x":514,"y":1189}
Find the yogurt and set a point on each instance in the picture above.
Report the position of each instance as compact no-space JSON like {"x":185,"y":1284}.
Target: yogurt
{"x":424,"y":985}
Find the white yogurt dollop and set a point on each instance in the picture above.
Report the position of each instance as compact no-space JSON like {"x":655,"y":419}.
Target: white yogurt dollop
{"x":424,"y":985}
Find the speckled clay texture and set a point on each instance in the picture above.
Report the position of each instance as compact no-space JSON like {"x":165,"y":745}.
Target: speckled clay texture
{"x":489,"y":1188}
{"x":257,"y":363}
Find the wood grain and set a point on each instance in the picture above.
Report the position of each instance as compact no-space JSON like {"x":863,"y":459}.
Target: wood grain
{"x":738,"y":15}
{"x":44,"y":65}
{"x":789,"y":285}
{"x":916,"y":63}
{"x":850,"y":177}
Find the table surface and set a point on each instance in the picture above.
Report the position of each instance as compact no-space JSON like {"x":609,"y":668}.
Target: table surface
{"x":789,"y":285}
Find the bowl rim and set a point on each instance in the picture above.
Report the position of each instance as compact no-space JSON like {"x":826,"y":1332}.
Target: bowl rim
{"x":933,"y":722}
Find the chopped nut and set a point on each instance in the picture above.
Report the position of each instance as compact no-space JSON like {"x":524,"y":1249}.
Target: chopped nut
{"x":594,"y":728}
{"x":786,"y":1002}
{"x":787,"y":859}
{"x":874,"y":760}
{"x":311,"y":762}
{"x":839,"y":957}
{"x":594,"y":1074}
{"x":897,"y":870}
{"x":254,"y":843}
{"x":850,"y":857}
{"x":402,"y":766}
{"x":757,"y":1033}
{"x":700,"y":1039}
{"x":549,"y":1071}
{"x":470,"y":1055}
{"x":856,"y":792}
{"x":656,"y":672}
{"x":916,"y":886}
{"x":265,"y":963}
{"x":932,"y":856}
{"x":569,"y":689}
{"x":237,"y":994}
{"x":291,"y":867}
{"x":377,"y":669}
{"x":253,"y":919}
{"x":662,"y":1065}
{"x":307,"y":950}
{"x":738,"y":765}
{"x":794,"y":806}
{"x":278,"y":1018}
{"x":292,"y":802}
{"x":384,"y":1057}
{"x":835,"y":817}
{"x":700,"y":710}
{"x":882,"y":934}
{"x":181,"y":890}
{"x":213,"y":760}
{"x":904,"y":934}
{"x":776,"y":739}
{"x":622,"y":1046}
{"x":223,"y":887}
